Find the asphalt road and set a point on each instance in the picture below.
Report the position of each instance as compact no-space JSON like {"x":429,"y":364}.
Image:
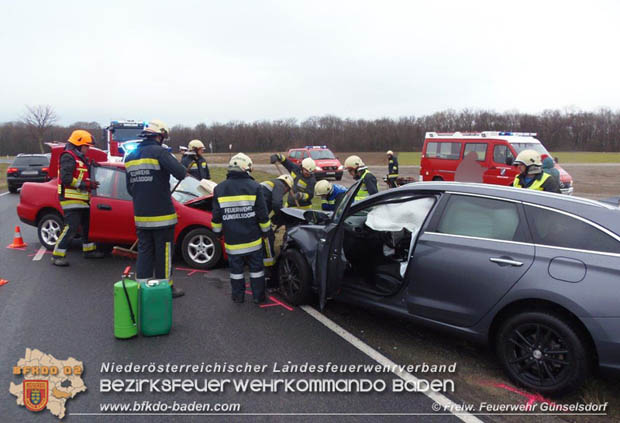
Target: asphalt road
{"x":67,"y":312}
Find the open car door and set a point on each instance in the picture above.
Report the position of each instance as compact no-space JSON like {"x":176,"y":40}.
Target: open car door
{"x":330,"y":263}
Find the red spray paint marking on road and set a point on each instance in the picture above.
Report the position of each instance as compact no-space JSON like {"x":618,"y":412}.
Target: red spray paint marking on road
{"x":3,"y":282}
{"x":531,"y":398}
{"x":190,"y":272}
{"x":275,"y":301}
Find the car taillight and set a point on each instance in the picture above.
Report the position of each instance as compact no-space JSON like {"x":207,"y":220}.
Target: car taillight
{"x":45,"y":169}
{"x":12,"y":170}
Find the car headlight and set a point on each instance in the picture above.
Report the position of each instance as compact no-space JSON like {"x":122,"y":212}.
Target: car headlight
{"x":319,"y":168}
{"x":340,"y":167}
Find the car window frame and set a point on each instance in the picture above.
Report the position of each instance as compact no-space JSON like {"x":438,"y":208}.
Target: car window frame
{"x":486,"y":150}
{"x":115,"y":183}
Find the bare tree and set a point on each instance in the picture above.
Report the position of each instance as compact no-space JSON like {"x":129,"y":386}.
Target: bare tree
{"x":39,"y":119}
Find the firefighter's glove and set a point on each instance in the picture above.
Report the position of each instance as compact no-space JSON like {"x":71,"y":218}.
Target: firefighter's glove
{"x":90,"y":184}
{"x":276,"y":158}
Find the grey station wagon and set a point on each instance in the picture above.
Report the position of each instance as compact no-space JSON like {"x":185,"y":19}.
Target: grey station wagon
{"x":535,"y":275}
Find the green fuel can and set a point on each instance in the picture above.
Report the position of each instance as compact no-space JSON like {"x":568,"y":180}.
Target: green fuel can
{"x":125,"y":308}
{"x":155,"y":307}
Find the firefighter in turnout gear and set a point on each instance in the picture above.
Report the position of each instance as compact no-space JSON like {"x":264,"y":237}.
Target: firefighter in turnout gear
{"x":358,"y":170}
{"x":240,"y":215}
{"x":392,"y":169}
{"x":303,"y":180}
{"x":74,"y":188}
{"x":149,"y":168}
{"x":194,"y":161}
{"x":331,"y":194}
{"x":274,"y":191}
{"x":531,"y":173}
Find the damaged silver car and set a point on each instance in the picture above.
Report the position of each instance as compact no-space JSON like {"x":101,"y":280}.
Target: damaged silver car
{"x":535,"y":275}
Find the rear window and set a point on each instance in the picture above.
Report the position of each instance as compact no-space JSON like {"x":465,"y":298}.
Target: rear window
{"x":31,"y":161}
{"x":558,"y":230}
{"x":443,"y":150}
{"x":321,"y":154}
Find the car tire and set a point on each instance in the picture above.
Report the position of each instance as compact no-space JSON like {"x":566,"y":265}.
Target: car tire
{"x":49,"y":228}
{"x":339,"y":176}
{"x":201,"y":249}
{"x":12,"y":189}
{"x":544,"y":352}
{"x":294,"y":277}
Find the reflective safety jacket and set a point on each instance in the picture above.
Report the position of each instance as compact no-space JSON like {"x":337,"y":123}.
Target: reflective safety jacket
{"x":240,"y":213}
{"x":273,"y":192}
{"x":149,"y":168}
{"x":368,"y":187}
{"x":73,"y":171}
{"x":300,"y":184}
{"x":392,"y":167}
{"x":331,"y":201}
{"x":541,"y":182}
{"x":196,"y":166}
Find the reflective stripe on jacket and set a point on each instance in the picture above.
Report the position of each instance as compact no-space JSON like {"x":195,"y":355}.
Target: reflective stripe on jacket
{"x":300,"y":184}
{"x":149,"y":168}
{"x":72,"y":196}
{"x":393,"y":167}
{"x":541,"y":182}
{"x":368,"y":186}
{"x":240,"y":213}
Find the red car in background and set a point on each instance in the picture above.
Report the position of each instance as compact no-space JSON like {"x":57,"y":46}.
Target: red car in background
{"x":111,"y":211}
{"x":327,"y":165}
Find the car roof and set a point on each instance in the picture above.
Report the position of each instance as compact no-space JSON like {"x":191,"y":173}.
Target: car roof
{"x":605,"y":214}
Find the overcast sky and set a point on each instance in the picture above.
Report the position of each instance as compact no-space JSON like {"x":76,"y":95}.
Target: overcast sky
{"x":187,"y":62}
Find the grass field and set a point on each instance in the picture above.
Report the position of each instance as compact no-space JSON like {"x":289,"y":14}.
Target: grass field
{"x":3,"y":168}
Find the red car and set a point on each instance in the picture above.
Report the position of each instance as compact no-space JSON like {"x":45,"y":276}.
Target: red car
{"x":327,"y":165}
{"x":111,"y":212}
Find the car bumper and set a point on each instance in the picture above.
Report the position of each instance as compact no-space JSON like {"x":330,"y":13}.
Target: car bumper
{"x":605,"y":332}
{"x":328,"y":174}
{"x":567,"y":191}
{"x":19,"y":181}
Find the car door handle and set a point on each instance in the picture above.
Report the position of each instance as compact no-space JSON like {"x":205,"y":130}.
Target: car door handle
{"x":104,"y":207}
{"x":507,"y":261}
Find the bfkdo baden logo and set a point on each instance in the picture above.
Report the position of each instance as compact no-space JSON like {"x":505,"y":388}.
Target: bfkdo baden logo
{"x":48,"y":383}
{"x":35,"y":394}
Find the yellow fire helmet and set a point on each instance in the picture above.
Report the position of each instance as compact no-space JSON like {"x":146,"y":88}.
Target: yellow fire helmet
{"x":288,"y":180}
{"x":195,"y":144}
{"x":241,"y":161}
{"x":322,"y":187}
{"x":528,"y":158}
{"x":353,"y":162}
{"x":81,"y":137}
{"x":308,"y":164}
{"x":156,"y":127}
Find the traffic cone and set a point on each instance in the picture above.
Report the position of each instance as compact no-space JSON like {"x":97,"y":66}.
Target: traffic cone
{"x":18,"y":241}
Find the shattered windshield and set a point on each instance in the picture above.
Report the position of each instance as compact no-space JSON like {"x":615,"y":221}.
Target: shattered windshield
{"x":189,"y":189}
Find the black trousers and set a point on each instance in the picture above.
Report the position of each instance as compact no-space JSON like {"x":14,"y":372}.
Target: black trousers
{"x":391,"y":182}
{"x":155,"y":249}
{"x":257,"y":274}
{"x":74,"y":218}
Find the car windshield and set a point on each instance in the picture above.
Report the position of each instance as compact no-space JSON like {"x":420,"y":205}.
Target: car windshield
{"x":536,"y":146}
{"x":189,"y":189}
{"x":126,"y":134}
{"x":321,"y":154}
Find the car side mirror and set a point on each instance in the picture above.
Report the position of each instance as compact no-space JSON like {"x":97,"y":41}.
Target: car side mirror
{"x":509,"y":160}
{"x":316,"y":217}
